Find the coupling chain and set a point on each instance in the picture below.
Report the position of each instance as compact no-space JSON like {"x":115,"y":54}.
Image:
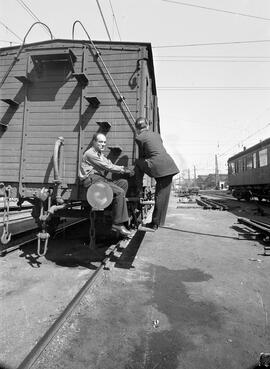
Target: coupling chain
{"x":43,"y":236}
{"x":6,"y":236}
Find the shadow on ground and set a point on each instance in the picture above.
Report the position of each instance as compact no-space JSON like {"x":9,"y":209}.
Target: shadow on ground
{"x":71,"y":249}
{"x":128,"y":255}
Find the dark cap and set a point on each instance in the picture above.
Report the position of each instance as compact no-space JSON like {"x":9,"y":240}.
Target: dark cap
{"x":141,"y":123}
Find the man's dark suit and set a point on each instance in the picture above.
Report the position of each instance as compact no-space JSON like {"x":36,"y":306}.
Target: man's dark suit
{"x":157,"y":163}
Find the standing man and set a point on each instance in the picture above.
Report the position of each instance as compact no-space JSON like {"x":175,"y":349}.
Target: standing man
{"x":157,"y":163}
{"x":92,"y":169}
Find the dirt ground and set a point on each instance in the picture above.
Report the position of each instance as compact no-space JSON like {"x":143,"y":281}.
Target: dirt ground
{"x":191,"y":295}
{"x":35,"y":290}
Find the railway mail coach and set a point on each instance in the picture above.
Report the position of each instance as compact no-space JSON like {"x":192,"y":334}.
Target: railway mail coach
{"x":54,"y":96}
{"x":249,"y":172}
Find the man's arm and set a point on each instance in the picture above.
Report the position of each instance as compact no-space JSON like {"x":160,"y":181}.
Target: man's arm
{"x":103,"y":163}
{"x":140,"y":148}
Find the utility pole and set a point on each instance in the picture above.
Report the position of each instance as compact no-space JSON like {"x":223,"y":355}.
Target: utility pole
{"x":188,"y":177}
{"x":216,"y":173}
{"x":195,"y":177}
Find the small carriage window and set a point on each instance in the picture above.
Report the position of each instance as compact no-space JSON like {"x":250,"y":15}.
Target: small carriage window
{"x":236,"y":167}
{"x":244,"y":164}
{"x":231,"y":169}
{"x":240,"y":168}
{"x":254,"y":160}
{"x":263,"y":158}
{"x":249,"y":162}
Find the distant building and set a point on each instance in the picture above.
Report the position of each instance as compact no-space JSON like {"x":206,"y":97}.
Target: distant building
{"x":206,"y":182}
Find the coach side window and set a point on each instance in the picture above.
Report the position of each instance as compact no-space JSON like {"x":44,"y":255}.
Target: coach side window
{"x":240,"y":165}
{"x":263,"y":158}
{"x":244,"y":164}
{"x":254,"y":155}
{"x":237,"y":166}
{"x":231,"y":169}
{"x":249,"y":162}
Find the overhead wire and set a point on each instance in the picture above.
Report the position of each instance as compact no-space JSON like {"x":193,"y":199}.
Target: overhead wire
{"x":212,"y":56}
{"x":240,"y":142}
{"x":214,"y":60}
{"x":31,"y":13}
{"x":216,"y":10}
{"x":214,"y":88}
{"x":104,"y":21}
{"x":9,"y":41}
{"x":115,"y":21}
{"x":10,"y":30}
{"x":211,"y":44}
{"x":16,"y":57}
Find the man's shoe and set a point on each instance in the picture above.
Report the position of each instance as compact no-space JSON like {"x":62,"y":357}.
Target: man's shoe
{"x":121,"y":230}
{"x":148,"y":227}
{"x":152,"y":226}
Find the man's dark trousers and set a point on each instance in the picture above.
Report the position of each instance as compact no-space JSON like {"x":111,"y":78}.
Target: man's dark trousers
{"x":119,"y":187}
{"x":162,"y":195}
{"x":162,"y":192}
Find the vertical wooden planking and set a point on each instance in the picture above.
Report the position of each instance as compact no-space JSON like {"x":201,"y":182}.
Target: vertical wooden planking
{"x":11,"y":117}
{"x":123,"y":67}
{"x":54,"y":105}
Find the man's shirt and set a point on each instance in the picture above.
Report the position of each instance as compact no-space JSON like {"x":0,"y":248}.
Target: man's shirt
{"x":94,"y":162}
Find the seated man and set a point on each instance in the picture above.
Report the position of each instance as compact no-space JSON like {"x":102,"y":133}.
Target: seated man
{"x":92,"y":168}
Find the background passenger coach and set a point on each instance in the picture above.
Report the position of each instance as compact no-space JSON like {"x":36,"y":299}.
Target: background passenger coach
{"x":249,"y":172}
{"x":54,"y":96}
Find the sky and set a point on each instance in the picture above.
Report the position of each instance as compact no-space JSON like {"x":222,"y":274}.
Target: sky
{"x":211,"y":59}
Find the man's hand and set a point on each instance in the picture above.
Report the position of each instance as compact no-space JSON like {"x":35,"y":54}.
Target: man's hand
{"x":128,"y":171}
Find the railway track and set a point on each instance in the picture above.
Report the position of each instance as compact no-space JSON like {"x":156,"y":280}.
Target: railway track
{"x":78,"y":254}
{"x":262,"y":207}
{"x":207,"y":203}
{"x":259,"y":230}
{"x":37,"y":351}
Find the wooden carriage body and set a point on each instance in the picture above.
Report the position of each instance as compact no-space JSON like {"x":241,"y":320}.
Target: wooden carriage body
{"x":60,"y":88}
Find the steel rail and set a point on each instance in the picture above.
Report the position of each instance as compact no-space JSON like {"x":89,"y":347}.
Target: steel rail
{"x":265,"y":229}
{"x":212,"y":204}
{"x":262,"y":228}
{"x":261,"y":223}
{"x":203,"y":203}
{"x":38,"y":349}
{"x":215,"y":204}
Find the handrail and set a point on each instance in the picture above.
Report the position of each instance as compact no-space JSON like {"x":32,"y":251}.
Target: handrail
{"x":122,"y":98}
{"x":15,"y":59}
